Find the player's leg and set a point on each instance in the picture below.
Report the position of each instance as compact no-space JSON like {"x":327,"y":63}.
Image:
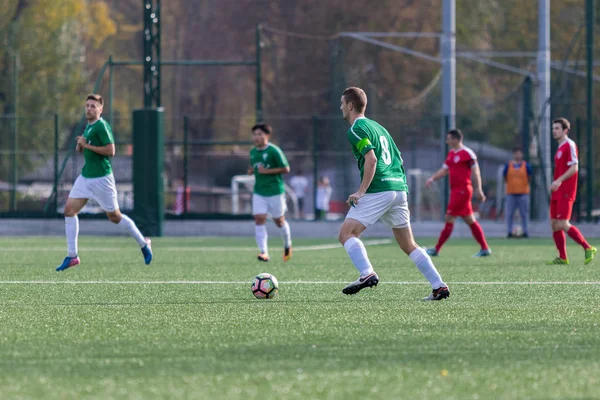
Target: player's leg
{"x":105,"y":194}
{"x":368,"y":211}
{"x":398,"y":218}
{"x":477,"y":232}
{"x":349,"y":237}
{"x":576,"y":234}
{"x":277,"y":208}
{"x":524,"y":211}
{"x":511,"y":204}
{"x":72,"y":208}
{"x":560,"y":212}
{"x":444,"y":235}
{"x":301,"y":207}
{"x":260,"y":208}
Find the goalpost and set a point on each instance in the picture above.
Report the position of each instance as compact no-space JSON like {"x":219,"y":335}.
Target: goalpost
{"x":241,"y":196}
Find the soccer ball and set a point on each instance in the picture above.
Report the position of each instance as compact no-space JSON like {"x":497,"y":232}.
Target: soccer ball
{"x":265,"y":286}
{"x":517,"y":231}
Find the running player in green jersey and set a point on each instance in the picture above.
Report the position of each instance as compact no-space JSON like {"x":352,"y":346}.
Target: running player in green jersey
{"x":268,"y":164}
{"x":96,"y":182}
{"x":382,"y":195}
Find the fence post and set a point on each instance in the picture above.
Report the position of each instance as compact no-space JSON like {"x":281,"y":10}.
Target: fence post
{"x":259,"y":110}
{"x":111,"y":91}
{"x":56,"y":138}
{"x":578,"y":195}
{"x":15,"y":133}
{"x":315,"y":143}
{"x":185,"y":163}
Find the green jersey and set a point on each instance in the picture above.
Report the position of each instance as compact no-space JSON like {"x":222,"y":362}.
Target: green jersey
{"x":97,"y":134}
{"x":269,"y":157}
{"x":365,"y":135}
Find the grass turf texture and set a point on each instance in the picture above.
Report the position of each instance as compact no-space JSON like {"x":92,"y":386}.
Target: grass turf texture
{"x":135,"y":339}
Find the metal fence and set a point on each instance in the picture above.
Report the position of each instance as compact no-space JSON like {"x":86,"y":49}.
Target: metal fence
{"x":203,"y":155}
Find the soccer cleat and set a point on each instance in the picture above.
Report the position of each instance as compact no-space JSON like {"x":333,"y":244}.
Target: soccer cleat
{"x":438,"y":294}
{"x":361,"y":283}
{"x":147,"y":251}
{"x":68,"y":262}
{"x":483,"y":253}
{"x":558,"y":261}
{"x":432,"y":252}
{"x":263,"y":257}
{"x":287,"y":254}
{"x":590,"y":254}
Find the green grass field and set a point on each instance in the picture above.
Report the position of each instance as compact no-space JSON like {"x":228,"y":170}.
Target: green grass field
{"x":187,"y":326}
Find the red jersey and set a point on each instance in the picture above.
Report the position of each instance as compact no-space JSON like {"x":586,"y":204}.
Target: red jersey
{"x":566,"y":155}
{"x":459,"y":163}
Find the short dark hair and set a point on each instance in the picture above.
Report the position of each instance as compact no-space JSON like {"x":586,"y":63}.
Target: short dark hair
{"x":266,"y":128}
{"x":563,"y":122}
{"x":456,"y":134}
{"x":94,"y":96}
{"x":517,"y":148}
{"x":357,"y":97}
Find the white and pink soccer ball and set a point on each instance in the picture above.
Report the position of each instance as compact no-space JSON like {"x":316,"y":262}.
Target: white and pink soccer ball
{"x":265,"y":286}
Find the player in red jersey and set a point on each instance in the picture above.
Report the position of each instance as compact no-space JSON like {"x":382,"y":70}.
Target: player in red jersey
{"x":564,"y":190}
{"x":461,"y":163}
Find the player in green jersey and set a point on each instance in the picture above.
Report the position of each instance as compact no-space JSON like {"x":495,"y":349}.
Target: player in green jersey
{"x":382,"y":195}
{"x":96,"y":182}
{"x":268,"y":164}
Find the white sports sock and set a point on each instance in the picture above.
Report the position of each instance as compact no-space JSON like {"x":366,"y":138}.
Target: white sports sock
{"x":128,"y":224}
{"x":72,"y":231}
{"x":358,"y":254}
{"x":286,"y":235}
{"x":261,"y":238}
{"x":425,"y":265}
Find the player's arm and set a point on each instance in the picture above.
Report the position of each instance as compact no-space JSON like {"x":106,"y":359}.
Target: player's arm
{"x":476,"y":173}
{"x":568,"y":173}
{"x":369,"y":171}
{"x":442,"y":172}
{"x":108,"y":150}
{"x":368,"y":174}
{"x":273,"y":171}
{"x":281,"y":165}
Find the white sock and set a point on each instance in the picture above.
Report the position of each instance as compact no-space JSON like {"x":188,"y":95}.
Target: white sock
{"x":261,"y":238}
{"x":358,"y":254}
{"x":286,"y":235}
{"x":425,"y":265}
{"x":128,"y":224}
{"x":72,"y":231}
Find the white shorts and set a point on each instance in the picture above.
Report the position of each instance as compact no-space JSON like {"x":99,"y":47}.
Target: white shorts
{"x":389,"y":207}
{"x":102,"y":190}
{"x":274,"y":205}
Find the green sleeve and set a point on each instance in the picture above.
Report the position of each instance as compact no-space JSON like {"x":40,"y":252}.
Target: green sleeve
{"x":105,"y":134}
{"x":359,"y":139}
{"x":280,"y":158}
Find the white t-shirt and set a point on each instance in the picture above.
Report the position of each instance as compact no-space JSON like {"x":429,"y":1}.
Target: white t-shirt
{"x":299,"y":184}
{"x":323,"y":197}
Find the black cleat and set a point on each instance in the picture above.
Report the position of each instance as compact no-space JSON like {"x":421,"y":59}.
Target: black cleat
{"x":438,"y":294}
{"x":358,"y":285}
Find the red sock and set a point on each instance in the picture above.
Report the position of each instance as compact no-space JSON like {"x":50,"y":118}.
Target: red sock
{"x":561,"y":243}
{"x":576,"y":235}
{"x":446,"y":232}
{"x":478,"y":235}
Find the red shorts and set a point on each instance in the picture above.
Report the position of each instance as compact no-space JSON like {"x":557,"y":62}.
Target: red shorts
{"x":561,"y":209}
{"x":460,"y":203}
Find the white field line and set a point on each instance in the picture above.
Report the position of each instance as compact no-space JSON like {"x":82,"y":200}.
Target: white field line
{"x":197,"y":249}
{"x":500,"y":283}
